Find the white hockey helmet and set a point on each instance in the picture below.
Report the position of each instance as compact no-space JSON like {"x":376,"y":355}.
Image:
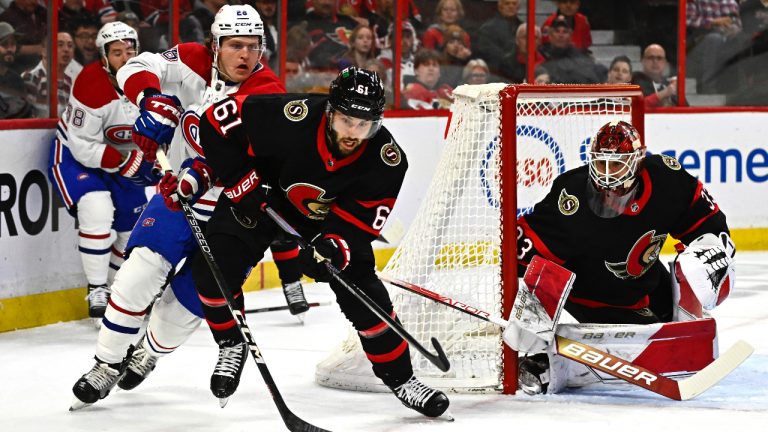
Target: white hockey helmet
{"x":236,"y":20}
{"x":115,"y":31}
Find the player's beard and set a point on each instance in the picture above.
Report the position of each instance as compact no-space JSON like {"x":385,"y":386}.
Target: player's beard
{"x":342,"y":146}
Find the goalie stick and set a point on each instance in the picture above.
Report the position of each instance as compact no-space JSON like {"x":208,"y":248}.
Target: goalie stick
{"x":589,"y":356}
{"x":291,"y":420}
{"x":439,"y":359}
{"x":283,"y":307}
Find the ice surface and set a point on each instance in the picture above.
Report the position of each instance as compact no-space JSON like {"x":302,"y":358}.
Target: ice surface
{"x":38,"y":368}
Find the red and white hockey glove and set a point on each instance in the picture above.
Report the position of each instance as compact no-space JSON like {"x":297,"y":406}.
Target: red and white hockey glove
{"x":158,"y":117}
{"x":706,"y":266}
{"x":194,"y":180}
{"x":331,"y":248}
{"x":136,"y":168}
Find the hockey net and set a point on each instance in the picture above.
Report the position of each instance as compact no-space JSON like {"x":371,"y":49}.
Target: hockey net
{"x":455,"y":244}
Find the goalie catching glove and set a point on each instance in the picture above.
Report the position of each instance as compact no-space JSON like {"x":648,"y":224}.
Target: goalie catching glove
{"x":158,"y":117}
{"x":194,"y":180}
{"x":706,"y":266}
{"x":331,"y":248}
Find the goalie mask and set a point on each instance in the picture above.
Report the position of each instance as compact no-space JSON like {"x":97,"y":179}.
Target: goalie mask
{"x":615,"y":160}
{"x":113,"y":32}
{"x":358,"y":95}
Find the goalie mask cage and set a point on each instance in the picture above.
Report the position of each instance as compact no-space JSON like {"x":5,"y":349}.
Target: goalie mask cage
{"x":462,"y":243}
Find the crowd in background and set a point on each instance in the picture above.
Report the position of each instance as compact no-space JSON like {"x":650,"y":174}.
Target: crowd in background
{"x":444,"y":43}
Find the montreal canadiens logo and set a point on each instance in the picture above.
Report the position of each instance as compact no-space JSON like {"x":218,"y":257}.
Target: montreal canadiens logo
{"x":148,"y":222}
{"x":82,"y":176}
{"x":390,"y":154}
{"x":296,"y":110}
{"x":190,"y":129}
{"x":567,"y":204}
{"x":644,"y":253}
{"x":119,"y":134}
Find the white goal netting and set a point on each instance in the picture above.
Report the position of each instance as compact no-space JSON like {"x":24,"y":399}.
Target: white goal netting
{"x":453,"y":245}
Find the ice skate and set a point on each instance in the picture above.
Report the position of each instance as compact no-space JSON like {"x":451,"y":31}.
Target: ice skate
{"x":95,"y":384}
{"x":226,"y":374}
{"x":140,"y":365}
{"x":98,"y":296}
{"x":533,"y":376}
{"x":294,"y":296}
{"x":419,"y":397}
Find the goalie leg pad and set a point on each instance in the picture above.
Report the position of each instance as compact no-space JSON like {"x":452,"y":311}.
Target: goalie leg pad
{"x":140,"y":279}
{"x":538,"y":305}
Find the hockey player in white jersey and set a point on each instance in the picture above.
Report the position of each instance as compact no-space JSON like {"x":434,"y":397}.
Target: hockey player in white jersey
{"x":98,"y":172}
{"x":192,"y":76}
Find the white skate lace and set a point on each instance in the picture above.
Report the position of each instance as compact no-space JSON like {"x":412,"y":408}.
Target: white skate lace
{"x":229,"y":361}
{"x":294,"y":293}
{"x":414,"y":392}
{"x":101,"y":376}
{"x":142,"y":361}
{"x":98,"y":296}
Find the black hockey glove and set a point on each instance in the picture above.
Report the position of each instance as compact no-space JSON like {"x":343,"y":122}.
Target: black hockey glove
{"x":249,"y":194}
{"x":332,"y":248}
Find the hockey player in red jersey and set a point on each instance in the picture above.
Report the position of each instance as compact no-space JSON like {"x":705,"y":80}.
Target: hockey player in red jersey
{"x":607,"y":221}
{"x":328,"y":166}
{"x":161,"y":240}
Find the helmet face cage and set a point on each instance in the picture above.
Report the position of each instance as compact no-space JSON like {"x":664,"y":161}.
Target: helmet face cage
{"x":236,"y":20}
{"x":616,"y":155}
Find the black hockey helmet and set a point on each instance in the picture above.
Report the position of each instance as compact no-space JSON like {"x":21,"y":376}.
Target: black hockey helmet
{"x":358,"y":93}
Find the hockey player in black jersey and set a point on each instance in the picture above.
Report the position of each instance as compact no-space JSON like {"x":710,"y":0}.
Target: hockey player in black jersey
{"x":329,"y":167}
{"x":607,"y":221}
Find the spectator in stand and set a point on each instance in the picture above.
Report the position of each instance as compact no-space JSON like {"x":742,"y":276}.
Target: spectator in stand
{"x":541,"y":76}
{"x":376,"y":65}
{"x":659,"y":90}
{"x":71,"y":12}
{"x":714,"y":37}
{"x":447,"y":12}
{"x":620,"y":71}
{"x":566,"y":63}
{"x":196,"y":26}
{"x":455,"y":55}
{"x":129,"y":17}
{"x":582,"y":32}
{"x":85,"y":32}
{"x":67,"y":69}
{"x":268,"y":11}
{"x":299,"y":44}
{"x":382,"y":19}
{"x":154,"y":37}
{"x":426,"y":91}
{"x":496,"y":37}
{"x":31,"y":23}
{"x":475,"y":72}
{"x":514,"y":64}
{"x":13,"y":95}
{"x":408,"y":46}
{"x":328,"y":32}
{"x":361,"y":48}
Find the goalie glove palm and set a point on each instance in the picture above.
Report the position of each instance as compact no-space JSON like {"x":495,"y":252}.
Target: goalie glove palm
{"x":706,"y":264}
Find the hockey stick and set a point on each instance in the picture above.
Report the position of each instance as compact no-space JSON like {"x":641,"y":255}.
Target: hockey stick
{"x":291,"y":420}
{"x":589,"y":356}
{"x":282,"y":308}
{"x":439,"y":360}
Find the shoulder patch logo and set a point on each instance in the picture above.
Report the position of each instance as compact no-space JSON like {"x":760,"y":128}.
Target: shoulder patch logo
{"x":296,"y":110}
{"x":171,"y":55}
{"x":671,"y":162}
{"x":390,"y":154}
{"x":568,"y":204}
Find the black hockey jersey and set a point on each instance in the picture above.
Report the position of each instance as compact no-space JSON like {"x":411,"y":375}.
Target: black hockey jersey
{"x":283,"y":137}
{"x":616,"y":260}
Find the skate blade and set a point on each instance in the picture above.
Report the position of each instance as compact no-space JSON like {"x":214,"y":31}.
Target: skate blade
{"x":300,"y":317}
{"x":96,"y":323}
{"x":223,"y":402}
{"x":447,"y":416}
{"x":77,"y":404}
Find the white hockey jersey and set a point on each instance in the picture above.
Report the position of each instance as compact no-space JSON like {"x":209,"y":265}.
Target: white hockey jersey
{"x":96,"y":125}
{"x":185,"y":71}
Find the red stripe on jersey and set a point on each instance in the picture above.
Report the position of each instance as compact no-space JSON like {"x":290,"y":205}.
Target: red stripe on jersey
{"x":94,"y":236}
{"x":643,"y":302}
{"x":329,"y":162}
{"x":389,"y":202}
{"x":93,"y":87}
{"x":57,"y":174}
{"x":377,"y":329}
{"x":262,"y":81}
{"x":197,"y":58}
{"x":388,"y":357}
{"x":282,"y":256}
{"x":353,"y":220}
{"x":697,"y":194}
{"x":697,"y":224}
{"x":212,"y":302}
{"x":125,"y":311}
{"x":115,"y":251}
{"x":206,"y":202}
{"x":640,"y":203}
{"x":111,"y":158}
{"x":538,"y":243}
{"x":137,"y":83}
{"x":221,"y":327}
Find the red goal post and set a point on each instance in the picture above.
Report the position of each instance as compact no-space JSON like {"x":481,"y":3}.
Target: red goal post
{"x":462,"y":244}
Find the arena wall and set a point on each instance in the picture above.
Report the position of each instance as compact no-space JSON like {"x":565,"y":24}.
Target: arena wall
{"x":40,"y":277}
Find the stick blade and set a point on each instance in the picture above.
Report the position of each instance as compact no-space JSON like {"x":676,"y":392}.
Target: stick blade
{"x":715,"y":371}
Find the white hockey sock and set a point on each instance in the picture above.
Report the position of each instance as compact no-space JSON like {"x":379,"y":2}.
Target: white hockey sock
{"x":95,"y":214}
{"x":170,"y":325}
{"x":117,"y":255}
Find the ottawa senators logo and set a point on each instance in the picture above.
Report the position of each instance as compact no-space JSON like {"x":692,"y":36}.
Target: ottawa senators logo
{"x":641,"y":257}
{"x":568,"y":204}
{"x":390,"y":154}
{"x":309,"y":200}
{"x":671,"y":162}
{"x":296,"y":110}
